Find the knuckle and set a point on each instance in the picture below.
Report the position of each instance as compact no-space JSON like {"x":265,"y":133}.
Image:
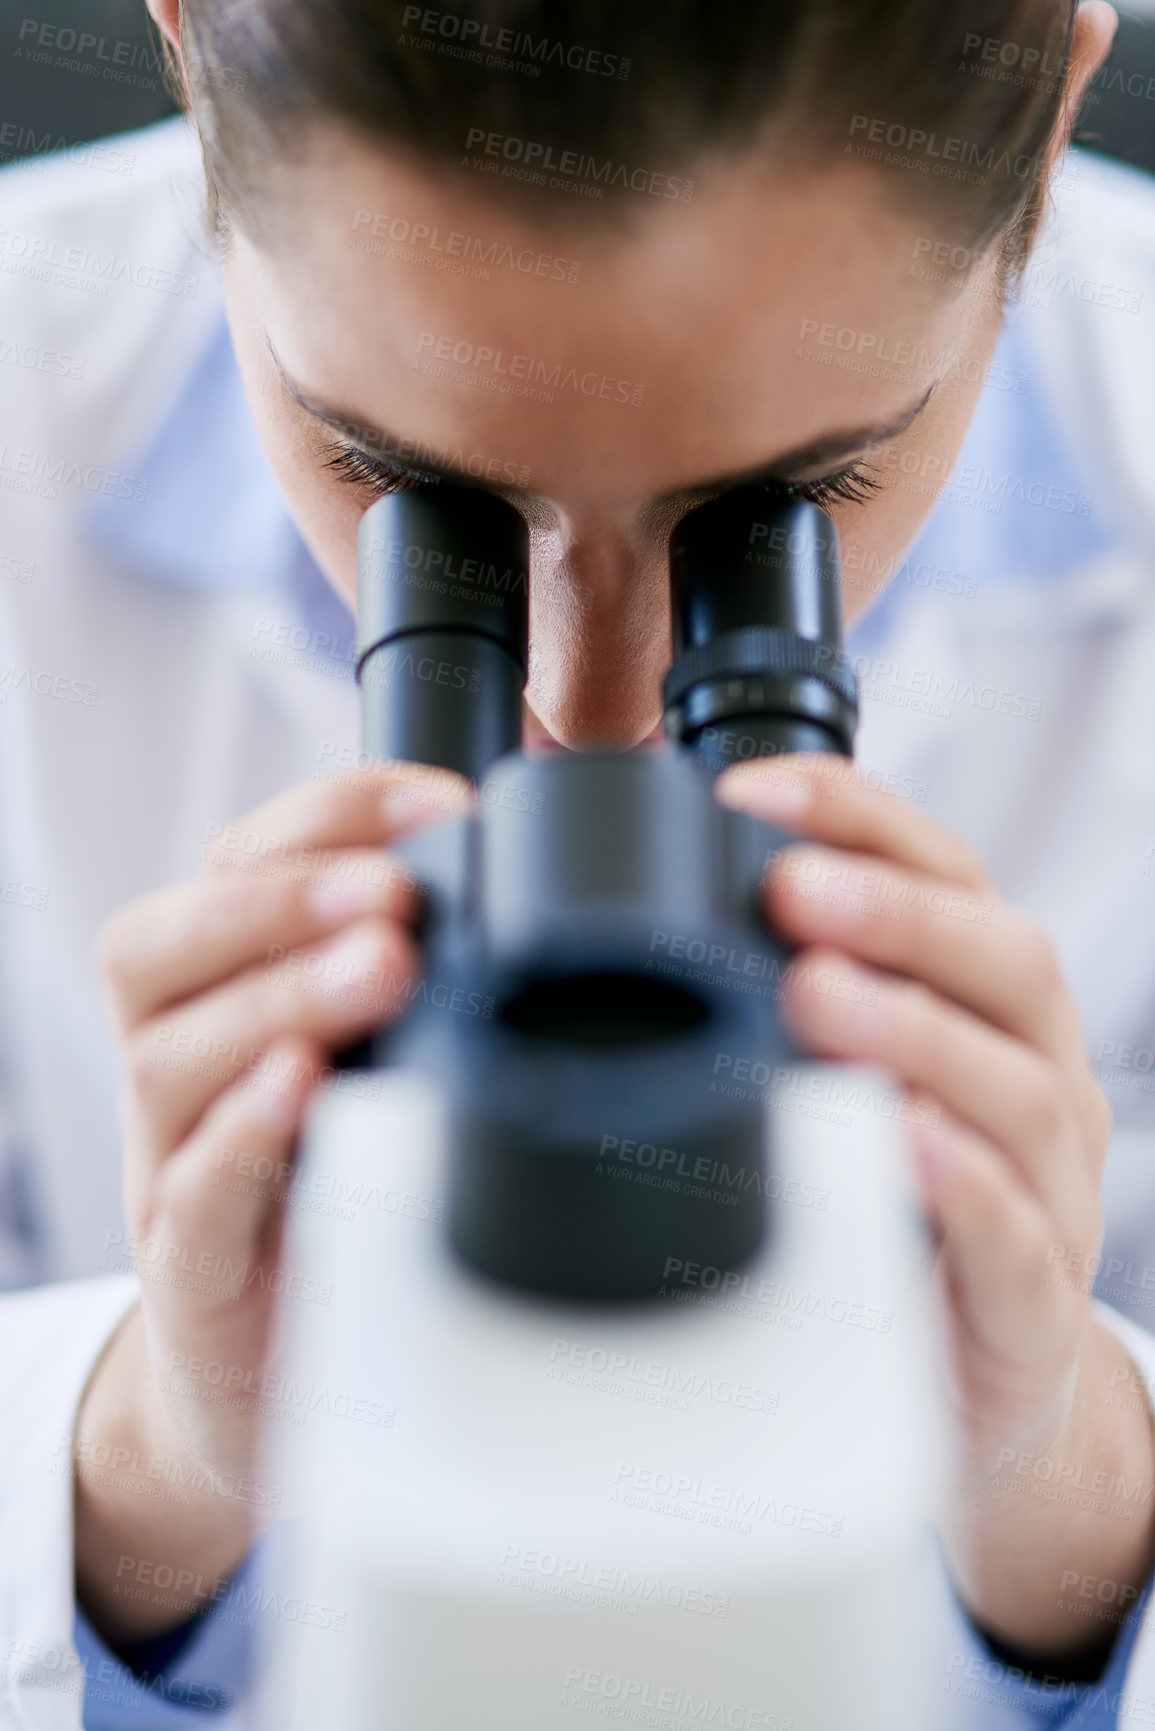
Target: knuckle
{"x":185,"y":1217}
{"x":996,"y":1222}
{"x":145,"y":1075}
{"x":292,"y":989}
{"x":924,"y":1027}
{"x":276,"y":1001}
{"x":1043,"y":1109}
{"x":177,"y":1199}
{"x":1035,"y":1234}
{"x":1078,"y":1229}
{"x":1097,"y":1117}
{"x":231,"y":907}
{"x":269,"y":1004}
{"x":1036,"y":962}
{"x":962,"y":863}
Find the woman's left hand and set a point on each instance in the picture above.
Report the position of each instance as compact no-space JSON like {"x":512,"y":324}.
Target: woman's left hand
{"x":910,"y":960}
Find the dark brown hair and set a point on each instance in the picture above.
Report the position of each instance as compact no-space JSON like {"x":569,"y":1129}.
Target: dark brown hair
{"x":956,"y":100}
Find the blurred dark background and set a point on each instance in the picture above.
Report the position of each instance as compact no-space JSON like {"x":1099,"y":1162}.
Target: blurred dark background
{"x":1118,"y":116}
{"x":75,"y":70}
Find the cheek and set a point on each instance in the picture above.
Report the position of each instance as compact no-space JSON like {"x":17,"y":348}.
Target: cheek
{"x":874,"y":537}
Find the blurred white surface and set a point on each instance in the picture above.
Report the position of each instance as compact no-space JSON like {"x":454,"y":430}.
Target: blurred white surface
{"x":531,"y":1523}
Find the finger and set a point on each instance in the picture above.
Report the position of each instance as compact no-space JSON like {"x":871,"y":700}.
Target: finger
{"x":995,"y":1084}
{"x":353,"y":808}
{"x":996,"y":1243}
{"x":329,"y":865}
{"x":204,"y":1216}
{"x":179,"y":941}
{"x":824,"y":796}
{"x":332,"y":993}
{"x":967,"y":945}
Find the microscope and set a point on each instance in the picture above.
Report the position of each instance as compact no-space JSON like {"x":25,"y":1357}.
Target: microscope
{"x":627,"y":1376}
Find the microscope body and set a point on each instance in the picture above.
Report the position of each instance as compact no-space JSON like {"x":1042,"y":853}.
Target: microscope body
{"x":705,"y":1509}
{"x":640,"y":1290}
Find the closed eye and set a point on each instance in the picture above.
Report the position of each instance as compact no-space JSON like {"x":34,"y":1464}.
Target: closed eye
{"x":358,"y":469}
{"x":852,"y":485}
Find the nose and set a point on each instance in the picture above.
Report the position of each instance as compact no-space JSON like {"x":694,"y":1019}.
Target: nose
{"x":599,"y":614}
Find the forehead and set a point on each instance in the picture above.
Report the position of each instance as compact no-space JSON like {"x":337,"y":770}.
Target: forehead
{"x":689,"y":336}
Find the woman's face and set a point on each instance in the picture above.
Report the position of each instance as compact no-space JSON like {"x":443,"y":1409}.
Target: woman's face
{"x":798,"y":325}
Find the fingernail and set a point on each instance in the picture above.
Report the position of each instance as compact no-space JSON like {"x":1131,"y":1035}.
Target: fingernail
{"x":356,"y":953}
{"x":336,"y":901}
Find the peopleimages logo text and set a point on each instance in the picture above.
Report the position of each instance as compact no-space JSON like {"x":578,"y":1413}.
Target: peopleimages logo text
{"x":960,"y":153}
{"x":485,"y":359}
{"x":537,"y":52}
{"x":539,"y":157}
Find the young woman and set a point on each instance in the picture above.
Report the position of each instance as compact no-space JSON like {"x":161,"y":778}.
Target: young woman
{"x":715,"y":244}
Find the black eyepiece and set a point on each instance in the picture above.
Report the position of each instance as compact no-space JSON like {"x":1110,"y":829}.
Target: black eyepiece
{"x":443,"y":626}
{"x":759,"y":666}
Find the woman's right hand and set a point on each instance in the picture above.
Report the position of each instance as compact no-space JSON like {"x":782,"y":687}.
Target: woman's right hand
{"x":230,"y":996}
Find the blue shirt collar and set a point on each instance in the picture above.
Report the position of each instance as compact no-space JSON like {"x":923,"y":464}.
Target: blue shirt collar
{"x":1016,"y":470}
{"x":212,"y":517}
{"x":1018,"y":508}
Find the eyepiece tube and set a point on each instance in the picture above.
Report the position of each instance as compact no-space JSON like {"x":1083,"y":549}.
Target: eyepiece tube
{"x":442,"y":627}
{"x":759,"y":666}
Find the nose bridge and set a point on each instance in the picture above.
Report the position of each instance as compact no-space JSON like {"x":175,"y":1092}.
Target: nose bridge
{"x":599,"y":630}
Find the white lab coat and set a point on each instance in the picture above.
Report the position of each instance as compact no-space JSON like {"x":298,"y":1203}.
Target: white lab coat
{"x":106,"y":796}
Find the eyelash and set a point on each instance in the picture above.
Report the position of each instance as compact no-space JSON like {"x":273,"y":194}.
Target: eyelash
{"x":358,"y":469}
{"x":853,"y":485}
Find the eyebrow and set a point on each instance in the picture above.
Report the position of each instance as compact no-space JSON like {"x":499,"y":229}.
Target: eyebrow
{"x":844,"y":443}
